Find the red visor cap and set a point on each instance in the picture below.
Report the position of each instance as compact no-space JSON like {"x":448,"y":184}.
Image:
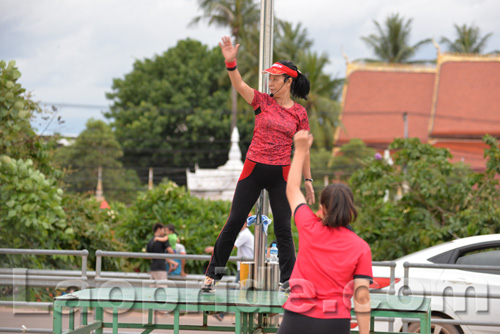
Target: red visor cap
{"x":279,"y":68}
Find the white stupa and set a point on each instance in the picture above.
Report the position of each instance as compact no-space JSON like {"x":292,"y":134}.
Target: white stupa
{"x":218,"y":183}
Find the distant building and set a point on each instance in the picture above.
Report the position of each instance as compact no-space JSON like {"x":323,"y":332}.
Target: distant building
{"x":452,"y":104}
{"x":218,"y":183}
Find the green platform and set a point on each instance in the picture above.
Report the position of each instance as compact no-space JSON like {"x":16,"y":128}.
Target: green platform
{"x":250,"y":308}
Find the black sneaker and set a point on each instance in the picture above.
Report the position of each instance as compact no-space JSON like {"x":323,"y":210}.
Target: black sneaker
{"x":208,"y":285}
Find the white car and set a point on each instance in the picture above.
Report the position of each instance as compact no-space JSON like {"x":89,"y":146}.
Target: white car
{"x":466,"y":295}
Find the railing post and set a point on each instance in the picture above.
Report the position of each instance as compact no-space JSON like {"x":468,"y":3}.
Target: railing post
{"x":85,"y":254}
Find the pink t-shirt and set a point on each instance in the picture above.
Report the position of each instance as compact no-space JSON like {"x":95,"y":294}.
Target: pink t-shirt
{"x":274,"y":129}
{"x":328,"y":261}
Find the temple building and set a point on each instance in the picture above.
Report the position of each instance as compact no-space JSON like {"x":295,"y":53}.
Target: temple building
{"x":452,"y":104}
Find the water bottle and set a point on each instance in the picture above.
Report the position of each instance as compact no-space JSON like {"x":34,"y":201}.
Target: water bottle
{"x":273,"y":254}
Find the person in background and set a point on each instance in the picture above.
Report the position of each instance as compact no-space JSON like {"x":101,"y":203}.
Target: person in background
{"x":172,"y":237}
{"x":277,"y":119}
{"x":157,"y":268}
{"x":333,"y":263}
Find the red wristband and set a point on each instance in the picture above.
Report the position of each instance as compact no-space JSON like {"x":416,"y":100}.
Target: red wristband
{"x":231,"y":64}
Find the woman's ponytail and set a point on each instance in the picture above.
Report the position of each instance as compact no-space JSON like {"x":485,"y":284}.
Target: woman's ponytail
{"x":300,"y":85}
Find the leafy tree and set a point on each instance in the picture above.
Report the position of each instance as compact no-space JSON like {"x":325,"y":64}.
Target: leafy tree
{"x":290,"y":41}
{"x":353,"y":156}
{"x":94,"y":229}
{"x":18,"y":139}
{"x":468,"y":40}
{"x":198,"y":221}
{"x":321,"y":105}
{"x":237,"y":15}
{"x":96,"y":147}
{"x":391,"y":42}
{"x":169,"y":111}
{"x":430,"y":199}
{"x":30,"y":200}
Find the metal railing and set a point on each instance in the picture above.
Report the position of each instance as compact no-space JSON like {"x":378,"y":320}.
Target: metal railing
{"x":54,"y":278}
{"x":101,"y":277}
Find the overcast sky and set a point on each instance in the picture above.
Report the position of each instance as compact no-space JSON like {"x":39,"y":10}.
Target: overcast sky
{"x":69,"y":51}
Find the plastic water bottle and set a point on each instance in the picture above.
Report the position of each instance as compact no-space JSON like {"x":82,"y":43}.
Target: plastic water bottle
{"x":273,"y":254}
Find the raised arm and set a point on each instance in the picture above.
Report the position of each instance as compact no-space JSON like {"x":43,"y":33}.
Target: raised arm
{"x":303,"y":141}
{"x":229,"y":52}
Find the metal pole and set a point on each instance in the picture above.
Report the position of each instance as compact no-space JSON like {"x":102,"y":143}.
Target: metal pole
{"x":265,"y":61}
{"x":405,"y":119}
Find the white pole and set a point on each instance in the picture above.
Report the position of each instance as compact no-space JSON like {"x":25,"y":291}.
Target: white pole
{"x":265,"y":61}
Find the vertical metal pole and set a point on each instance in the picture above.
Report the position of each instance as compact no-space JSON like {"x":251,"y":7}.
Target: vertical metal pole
{"x":405,"y":119}
{"x":150,"y":179}
{"x":265,"y":61}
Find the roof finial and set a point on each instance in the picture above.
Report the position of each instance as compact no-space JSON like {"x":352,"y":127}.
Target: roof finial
{"x":344,"y":55}
{"x":436,"y":45}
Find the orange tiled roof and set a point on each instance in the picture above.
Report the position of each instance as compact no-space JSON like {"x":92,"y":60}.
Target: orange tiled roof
{"x":375,"y":99}
{"x":467,"y":97}
{"x":469,"y":152}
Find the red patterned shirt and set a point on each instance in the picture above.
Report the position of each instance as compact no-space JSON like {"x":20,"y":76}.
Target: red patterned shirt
{"x":274,"y":129}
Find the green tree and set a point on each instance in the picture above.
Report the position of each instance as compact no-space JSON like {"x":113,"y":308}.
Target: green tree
{"x":95,"y":147}
{"x":290,"y":41}
{"x":468,"y":40}
{"x":198,"y":221}
{"x":30,"y":200}
{"x":321,"y":104}
{"x":169,"y":113}
{"x":430,"y":200}
{"x":352,"y":156}
{"x":237,"y":15}
{"x":391,"y":42}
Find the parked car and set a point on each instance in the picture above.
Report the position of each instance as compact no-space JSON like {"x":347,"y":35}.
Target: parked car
{"x":458,"y":294}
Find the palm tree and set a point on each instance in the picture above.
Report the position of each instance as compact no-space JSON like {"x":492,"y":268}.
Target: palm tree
{"x":237,"y":15}
{"x":290,"y":40}
{"x":391,"y":43}
{"x":468,"y":40}
{"x":321,"y":104}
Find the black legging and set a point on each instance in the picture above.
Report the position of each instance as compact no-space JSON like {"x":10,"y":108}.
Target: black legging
{"x":296,"y":323}
{"x":253,"y":179}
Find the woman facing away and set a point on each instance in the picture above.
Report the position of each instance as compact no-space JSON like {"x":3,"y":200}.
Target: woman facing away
{"x":277,"y":119}
{"x":333,"y":263}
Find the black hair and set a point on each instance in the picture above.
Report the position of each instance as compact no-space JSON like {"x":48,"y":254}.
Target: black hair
{"x":300,"y":85}
{"x":157,"y":226}
{"x":171,"y":227}
{"x":338,"y":201}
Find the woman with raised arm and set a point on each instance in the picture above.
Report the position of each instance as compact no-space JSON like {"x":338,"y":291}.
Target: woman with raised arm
{"x":333,"y":263}
{"x":277,"y":119}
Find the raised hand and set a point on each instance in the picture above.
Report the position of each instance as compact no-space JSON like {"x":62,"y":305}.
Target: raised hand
{"x":303,"y":140}
{"x":228,"y":50}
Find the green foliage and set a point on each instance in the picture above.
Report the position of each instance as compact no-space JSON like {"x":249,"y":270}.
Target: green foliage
{"x":428,"y":200}
{"x":468,"y":40}
{"x":94,"y":229}
{"x":31,"y":203}
{"x":353,"y":156}
{"x":197,"y":221}
{"x":95,"y":147}
{"x":171,"y":104}
{"x":31,"y":215}
{"x":391,"y":43}
{"x":17,"y":138}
